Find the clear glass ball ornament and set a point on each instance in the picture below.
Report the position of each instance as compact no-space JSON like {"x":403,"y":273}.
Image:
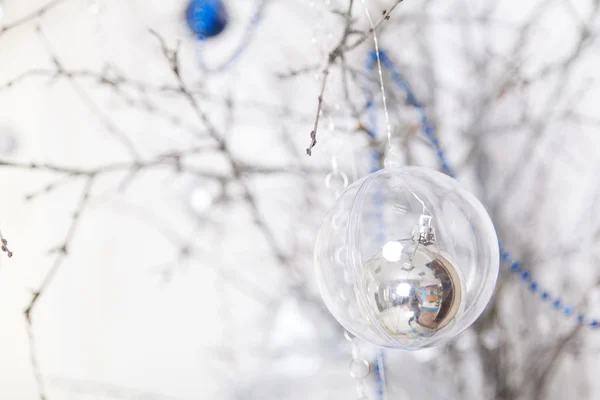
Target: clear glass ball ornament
{"x":407,"y":258}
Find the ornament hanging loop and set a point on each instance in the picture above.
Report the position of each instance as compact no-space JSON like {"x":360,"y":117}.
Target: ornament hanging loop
{"x":425,"y":234}
{"x":336,"y":181}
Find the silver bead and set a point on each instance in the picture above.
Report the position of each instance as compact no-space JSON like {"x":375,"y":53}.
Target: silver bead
{"x":8,"y":142}
{"x":412,"y":290}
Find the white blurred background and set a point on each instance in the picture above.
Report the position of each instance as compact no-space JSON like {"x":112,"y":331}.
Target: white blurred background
{"x":186,"y":272}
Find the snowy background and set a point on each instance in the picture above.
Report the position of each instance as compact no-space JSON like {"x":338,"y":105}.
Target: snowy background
{"x":184,"y":268}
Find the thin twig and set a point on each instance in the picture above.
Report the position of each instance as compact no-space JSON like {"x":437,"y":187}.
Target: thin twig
{"x":386,"y":16}
{"x":112,"y":128}
{"x":313,"y":133}
{"x":63,"y":251}
{"x":338,"y":52}
{"x":4,"y":246}
{"x":333,"y":55}
{"x":30,"y":17}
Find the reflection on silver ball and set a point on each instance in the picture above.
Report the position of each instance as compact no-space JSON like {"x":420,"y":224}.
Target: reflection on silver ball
{"x":412,"y":289}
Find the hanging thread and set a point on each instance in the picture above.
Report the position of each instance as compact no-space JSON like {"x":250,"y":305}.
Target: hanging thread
{"x":379,"y":70}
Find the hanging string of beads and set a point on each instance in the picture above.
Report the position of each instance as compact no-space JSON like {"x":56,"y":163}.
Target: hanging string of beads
{"x":359,"y":367}
{"x":506,"y":258}
{"x":337,"y":181}
{"x":379,"y":375}
{"x":375,"y":157}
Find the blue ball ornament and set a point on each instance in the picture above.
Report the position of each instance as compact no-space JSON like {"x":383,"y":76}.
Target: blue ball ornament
{"x":206,"y":18}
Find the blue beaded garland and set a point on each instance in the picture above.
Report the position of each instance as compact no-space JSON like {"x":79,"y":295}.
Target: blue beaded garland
{"x":429,"y":131}
{"x":379,"y":367}
{"x":206,"y":18}
{"x":378,"y":371}
{"x":525,"y":275}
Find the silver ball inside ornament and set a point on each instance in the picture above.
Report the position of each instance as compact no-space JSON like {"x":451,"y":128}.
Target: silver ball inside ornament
{"x":412,"y":290}
{"x":406,"y":258}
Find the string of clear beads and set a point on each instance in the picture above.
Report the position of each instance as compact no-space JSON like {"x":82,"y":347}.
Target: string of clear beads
{"x":359,"y":367}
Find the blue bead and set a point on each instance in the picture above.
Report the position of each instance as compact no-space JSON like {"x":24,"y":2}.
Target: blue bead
{"x":594,"y":323}
{"x":545,"y":295}
{"x":445,"y":166}
{"x":556,"y":302}
{"x":206,"y":18}
{"x":428,"y":129}
{"x":580,"y":318}
{"x":525,"y":275}
{"x":533,"y":285}
{"x":411,"y":99}
{"x":567,"y":310}
{"x":515,"y":266}
{"x":505,"y":255}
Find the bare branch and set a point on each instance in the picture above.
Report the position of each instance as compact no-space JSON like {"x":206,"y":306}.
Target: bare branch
{"x":111,"y":126}
{"x":4,"y":246}
{"x":386,"y":16}
{"x":63,"y":251}
{"x":30,"y":17}
{"x":338,"y":52}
